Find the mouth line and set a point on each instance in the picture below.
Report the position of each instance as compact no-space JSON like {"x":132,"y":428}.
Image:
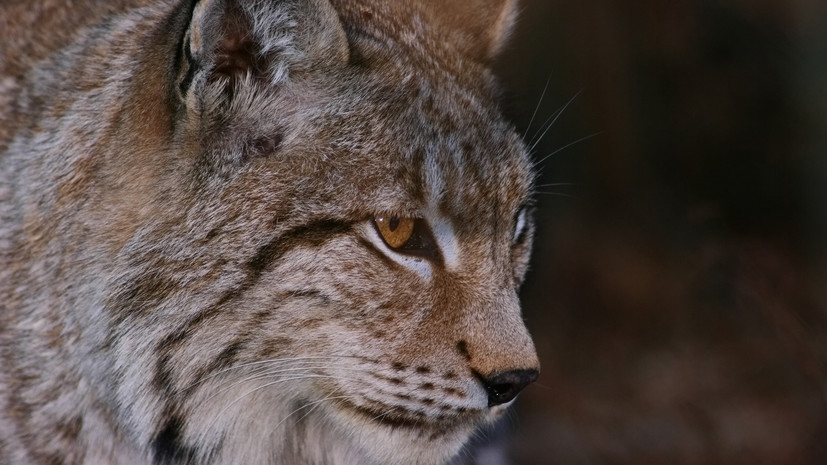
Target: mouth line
{"x":398,"y":417}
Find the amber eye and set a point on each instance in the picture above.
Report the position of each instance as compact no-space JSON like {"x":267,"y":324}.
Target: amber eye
{"x":395,"y":231}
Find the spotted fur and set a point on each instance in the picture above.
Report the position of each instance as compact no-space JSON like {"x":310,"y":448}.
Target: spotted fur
{"x":189,"y":273}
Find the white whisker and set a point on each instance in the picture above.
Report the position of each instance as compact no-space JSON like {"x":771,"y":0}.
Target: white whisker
{"x":313,"y":406}
{"x":274,"y":383}
{"x":554,"y":117}
{"x":537,"y":108}
{"x":267,"y":372}
{"x":277,"y":362}
{"x":582,"y":139}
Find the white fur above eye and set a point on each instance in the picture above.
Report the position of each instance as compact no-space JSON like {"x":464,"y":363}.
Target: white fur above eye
{"x":446,"y":240}
{"x":519,"y":228}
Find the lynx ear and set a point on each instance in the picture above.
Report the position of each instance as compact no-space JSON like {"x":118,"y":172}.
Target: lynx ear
{"x":479,"y":28}
{"x":232,"y":42}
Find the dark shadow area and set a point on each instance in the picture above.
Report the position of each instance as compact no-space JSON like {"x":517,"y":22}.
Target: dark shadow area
{"x":677,"y":295}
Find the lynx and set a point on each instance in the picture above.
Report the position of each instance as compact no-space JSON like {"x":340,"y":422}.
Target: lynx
{"x":257,"y":232}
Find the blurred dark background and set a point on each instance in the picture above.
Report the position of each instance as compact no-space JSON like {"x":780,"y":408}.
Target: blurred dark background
{"x":677,"y":296}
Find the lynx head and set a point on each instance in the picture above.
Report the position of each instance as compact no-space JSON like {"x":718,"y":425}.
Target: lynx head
{"x":333,"y":223}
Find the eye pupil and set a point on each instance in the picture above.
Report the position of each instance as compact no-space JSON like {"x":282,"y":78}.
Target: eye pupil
{"x":393,"y":223}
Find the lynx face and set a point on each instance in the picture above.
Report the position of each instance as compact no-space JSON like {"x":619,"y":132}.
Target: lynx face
{"x":272,"y":232}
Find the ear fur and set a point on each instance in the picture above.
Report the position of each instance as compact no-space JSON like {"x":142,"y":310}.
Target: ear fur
{"x":234,"y":42}
{"x":479,"y":28}
{"x":243,"y":59}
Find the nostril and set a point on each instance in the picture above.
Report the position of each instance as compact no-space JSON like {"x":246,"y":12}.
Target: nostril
{"x":503,"y":387}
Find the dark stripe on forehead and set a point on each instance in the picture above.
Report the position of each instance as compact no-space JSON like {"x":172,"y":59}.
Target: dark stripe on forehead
{"x":309,"y":235}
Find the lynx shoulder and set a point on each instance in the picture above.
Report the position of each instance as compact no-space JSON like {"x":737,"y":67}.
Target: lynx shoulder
{"x":258,"y":232}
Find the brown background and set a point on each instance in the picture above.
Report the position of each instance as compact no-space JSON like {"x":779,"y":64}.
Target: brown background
{"x":677,"y":296}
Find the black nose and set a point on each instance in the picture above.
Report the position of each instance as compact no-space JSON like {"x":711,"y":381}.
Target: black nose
{"x":504,"y":387}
